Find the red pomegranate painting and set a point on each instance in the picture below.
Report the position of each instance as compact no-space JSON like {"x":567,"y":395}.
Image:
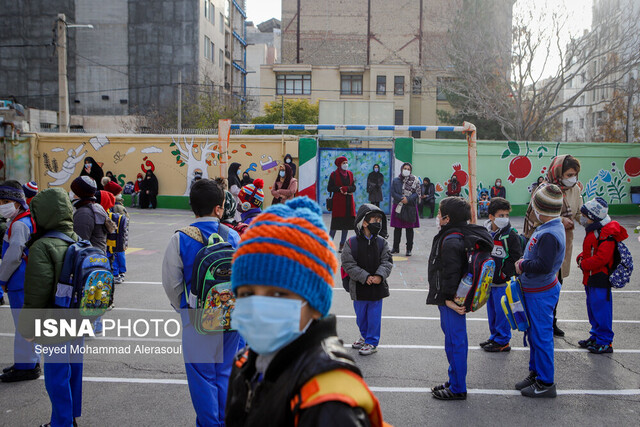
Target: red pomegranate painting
{"x":632,"y":166}
{"x":461,"y":175}
{"x":519,"y":167}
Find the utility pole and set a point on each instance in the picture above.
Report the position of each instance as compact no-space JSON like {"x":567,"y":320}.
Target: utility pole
{"x":179,"y":102}
{"x":630,"y":93}
{"x":63,"y":84}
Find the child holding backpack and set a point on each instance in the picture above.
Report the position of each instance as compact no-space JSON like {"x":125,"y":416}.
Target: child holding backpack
{"x":507,"y":249}
{"x":538,"y":271}
{"x":448,"y":264}
{"x":13,"y":206}
{"x":367,"y":260}
{"x":208,"y":358}
{"x":119,"y":241}
{"x":596,"y":262}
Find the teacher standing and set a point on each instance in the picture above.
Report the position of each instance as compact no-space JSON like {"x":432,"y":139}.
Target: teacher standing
{"x":343,"y":212}
{"x":405,"y":192}
{"x":375,"y":181}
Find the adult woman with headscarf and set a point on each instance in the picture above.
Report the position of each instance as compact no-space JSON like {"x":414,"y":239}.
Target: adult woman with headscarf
{"x":498,"y":190}
{"x":288,"y":160}
{"x":93,"y":169}
{"x":246,"y":179}
{"x":149,"y":191}
{"x":427,"y":197}
{"x":405,"y":193}
{"x":285,"y":187}
{"x":563,"y":172}
{"x":343,"y":213}
{"x":453,"y":187}
{"x":375,"y":181}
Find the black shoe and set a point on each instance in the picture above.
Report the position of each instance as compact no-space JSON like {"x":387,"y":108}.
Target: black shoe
{"x":557,"y":332}
{"x":408,"y":253}
{"x":341,"y":247}
{"x":537,"y":389}
{"x":600,"y":349}
{"x":395,"y":251}
{"x":587,"y":343}
{"x":447,"y":394}
{"x":494,"y":347}
{"x":8,"y":369}
{"x":440,"y":387}
{"x":527,"y":381}
{"x":485,"y":343}
{"x":21,"y":375}
{"x":2,"y":300}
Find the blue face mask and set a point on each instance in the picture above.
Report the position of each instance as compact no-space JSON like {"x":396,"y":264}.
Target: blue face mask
{"x":267,"y":323}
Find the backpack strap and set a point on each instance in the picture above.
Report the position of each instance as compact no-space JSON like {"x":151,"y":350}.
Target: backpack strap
{"x":193,"y":232}
{"x":24,"y":214}
{"x":67,"y":265}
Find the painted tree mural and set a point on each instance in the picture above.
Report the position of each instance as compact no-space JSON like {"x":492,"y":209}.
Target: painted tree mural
{"x":194,"y":156}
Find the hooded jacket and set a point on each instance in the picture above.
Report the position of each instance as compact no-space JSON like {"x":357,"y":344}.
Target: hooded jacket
{"x":284,"y":189}
{"x":375,"y":181}
{"x":90,"y":223}
{"x":596,"y":258}
{"x":448,"y":260}
{"x":51,"y":210}
{"x":368,"y":257}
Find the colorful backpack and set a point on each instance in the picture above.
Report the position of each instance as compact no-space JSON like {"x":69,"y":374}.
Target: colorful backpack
{"x":622,"y":266}
{"x":513,"y":306}
{"x":117,"y":241}
{"x":211,"y":300}
{"x":86,"y":281}
{"x":481,"y":267}
{"x":128,"y":188}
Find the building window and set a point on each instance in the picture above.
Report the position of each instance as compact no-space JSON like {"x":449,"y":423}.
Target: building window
{"x":581,"y":123}
{"x":212,"y":13}
{"x":206,"y":9}
{"x":293,"y":84}
{"x":381,"y":85}
{"x":351,"y":84}
{"x":221,"y":23}
{"x":398,"y":85}
{"x":582,"y":100}
{"x":220,"y":58}
{"x":399,"y":117}
{"x":570,"y":83}
{"x":213,"y":52}
{"x":441,"y":93}
{"x":207,"y":47}
{"x":416,"y":88}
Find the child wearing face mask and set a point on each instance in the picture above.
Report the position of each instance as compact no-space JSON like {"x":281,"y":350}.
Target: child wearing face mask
{"x":596,"y":261}
{"x":295,"y":370}
{"x":207,"y":358}
{"x":507,"y":249}
{"x":13,"y":207}
{"x":538,"y":271}
{"x":367,"y":260}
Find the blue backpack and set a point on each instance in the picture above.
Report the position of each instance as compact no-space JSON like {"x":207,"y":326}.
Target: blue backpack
{"x":622,"y":266}
{"x":117,"y":241}
{"x":86,"y":281}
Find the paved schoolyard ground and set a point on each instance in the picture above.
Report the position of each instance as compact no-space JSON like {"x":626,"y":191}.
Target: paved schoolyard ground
{"x":148,"y":389}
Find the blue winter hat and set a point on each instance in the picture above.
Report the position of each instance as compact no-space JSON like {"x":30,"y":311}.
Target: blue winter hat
{"x":288,"y":246}
{"x":8,"y":192}
{"x":595,"y":209}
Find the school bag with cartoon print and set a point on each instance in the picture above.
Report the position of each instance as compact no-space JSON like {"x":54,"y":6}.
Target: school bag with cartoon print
{"x":211,"y":300}
{"x":86,"y":281}
{"x":513,"y":305}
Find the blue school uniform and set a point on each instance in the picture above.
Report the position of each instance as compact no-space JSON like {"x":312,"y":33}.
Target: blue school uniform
{"x":543,"y":258}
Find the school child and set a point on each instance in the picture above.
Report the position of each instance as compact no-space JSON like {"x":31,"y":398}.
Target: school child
{"x":295,"y":370}
{"x":51,"y":210}
{"x":250,"y":199}
{"x":596,"y":261}
{"x":538,"y":271}
{"x":367,"y":260}
{"x":507,"y":249}
{"x":137,"y":188}
{"x":30,"y":190}
{"x":207,"y":381}
{"x":447,"y":266}
{"x":119,"y":259}
{"x":13,"y":206}
{"x":230,"y":209}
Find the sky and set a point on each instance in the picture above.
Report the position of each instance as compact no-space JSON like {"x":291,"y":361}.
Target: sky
{"x":262,"y":10}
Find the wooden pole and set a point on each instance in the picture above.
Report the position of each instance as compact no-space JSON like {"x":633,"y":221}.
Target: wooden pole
{"x":63,"y":86}
{"x":224,"y":133}
{"x":470,"y":131}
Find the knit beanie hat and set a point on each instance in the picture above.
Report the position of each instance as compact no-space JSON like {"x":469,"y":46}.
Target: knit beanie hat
{"x":548,"y":200}
{"x":252,"y":194}
{"x":30,"y":190}
{"x":595,"y":209}
{"x":230,"y":206}
{"x":340,"y":160}
{"x":84,"y":187}
{"x":113,"y":188}
{"x":288,"y":246}
{"x":8,"y":192}
{"x":105,"y":199}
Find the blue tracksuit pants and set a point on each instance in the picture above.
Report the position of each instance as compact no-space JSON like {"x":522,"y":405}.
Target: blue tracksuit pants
{"x":63,"y":381}
{"x":539,"y":307}
{"x":600,"y":313}
{"x":498,"y":323}
{"x":24,"y":354}
{"x":369,"y":320}
{"x":456,"y":345}
{"x":208,"y":382}
{"x":119,"y":263}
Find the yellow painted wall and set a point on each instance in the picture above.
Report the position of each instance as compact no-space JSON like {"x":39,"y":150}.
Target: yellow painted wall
{"x":59,"y":158}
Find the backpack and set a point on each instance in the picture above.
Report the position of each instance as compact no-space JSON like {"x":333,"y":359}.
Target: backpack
{"x":481,"y":266}
{"x":117,"y":240}
{"x":128,"y":188}
{"x":86,"y":281}
{"x":353,"y":244}
{"x":622,"y":266}
{"x":211,"y":300}
{"x":513,"y":306}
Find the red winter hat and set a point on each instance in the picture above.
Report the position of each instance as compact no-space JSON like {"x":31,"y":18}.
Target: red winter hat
{"x":113,"y":188}
{"x":106,"y":199}
{"x":340,"y":160}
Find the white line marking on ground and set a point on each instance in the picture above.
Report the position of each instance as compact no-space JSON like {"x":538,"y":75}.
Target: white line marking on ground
{"x":441,"y":347}
{"x":473,"y":319}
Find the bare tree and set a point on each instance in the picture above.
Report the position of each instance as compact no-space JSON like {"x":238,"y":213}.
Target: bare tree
{"x":502,"y":81}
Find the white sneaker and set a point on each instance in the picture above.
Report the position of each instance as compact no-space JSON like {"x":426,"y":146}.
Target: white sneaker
{"x":358,"y":344}
{"x":367,"y":349}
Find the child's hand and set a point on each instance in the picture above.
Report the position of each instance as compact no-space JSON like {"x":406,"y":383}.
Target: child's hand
{"x":455,"y":307}
{"x":370,"y":280}
{"x":579,"y":260}
{"x":518,"y":269}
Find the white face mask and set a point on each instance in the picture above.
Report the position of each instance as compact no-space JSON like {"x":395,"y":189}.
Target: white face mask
{"x":345,"y":166}
{"x":288,"y":161}
{"x":499,"y":183}
{"x":501,"y":222}
{"x":282,"y":174}
{"x":584,"y":221}
{"x":8,"y":210}
{"x":406,"y":172}
{"x":570,"y":182}
{"x":438,"y":223}
{"x":376,"y":169}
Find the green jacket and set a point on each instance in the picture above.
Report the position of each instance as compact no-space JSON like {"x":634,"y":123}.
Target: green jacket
{"x":51,"y":210}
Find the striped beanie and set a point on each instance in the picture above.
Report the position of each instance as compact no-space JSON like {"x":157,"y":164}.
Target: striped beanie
{"x":7,"y":192}
{"x":548,"y":200}
{"x":288,"y":246}
{"x":251,"y":195}
{"x":30,"y":190}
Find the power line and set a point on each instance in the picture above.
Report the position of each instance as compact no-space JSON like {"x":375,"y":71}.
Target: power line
{"x":26,"y":45}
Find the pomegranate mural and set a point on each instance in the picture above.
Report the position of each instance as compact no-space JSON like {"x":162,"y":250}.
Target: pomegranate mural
{"x":632,"y":166}
{"x":520,"y":165}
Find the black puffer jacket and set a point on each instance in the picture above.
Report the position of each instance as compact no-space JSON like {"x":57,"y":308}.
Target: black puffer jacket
{"x":268,"y":402}
{"x":448,"y":261}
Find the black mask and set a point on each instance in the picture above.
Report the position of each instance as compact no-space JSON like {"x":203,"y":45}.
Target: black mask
{"x":375,"y":228}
